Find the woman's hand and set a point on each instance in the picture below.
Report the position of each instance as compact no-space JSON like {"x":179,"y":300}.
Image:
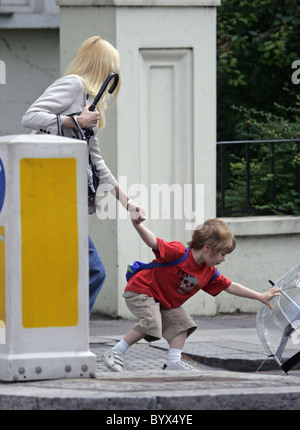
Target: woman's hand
{"x":137,"y":213}
{"x":88,"y":119}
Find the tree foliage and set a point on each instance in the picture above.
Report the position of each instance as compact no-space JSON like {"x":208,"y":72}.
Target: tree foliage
{"x":258,"y":41}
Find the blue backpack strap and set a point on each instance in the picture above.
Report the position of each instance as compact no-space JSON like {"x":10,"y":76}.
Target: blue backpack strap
{"x":171,"y":263}
{"x":137,"y":265}
{"x":214,"y":276}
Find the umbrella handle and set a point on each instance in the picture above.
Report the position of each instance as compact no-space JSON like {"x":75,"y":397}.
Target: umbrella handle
{"x":111,"y":76}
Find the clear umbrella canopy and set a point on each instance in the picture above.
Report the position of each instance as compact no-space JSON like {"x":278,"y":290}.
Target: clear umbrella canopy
{"x":279,"y":328}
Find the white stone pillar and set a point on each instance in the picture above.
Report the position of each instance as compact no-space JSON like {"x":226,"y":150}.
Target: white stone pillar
{"x":160,"y":140}
{"x":43,"y":259}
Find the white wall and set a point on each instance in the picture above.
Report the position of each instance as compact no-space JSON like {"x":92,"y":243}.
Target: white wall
{"x":31,"y":57}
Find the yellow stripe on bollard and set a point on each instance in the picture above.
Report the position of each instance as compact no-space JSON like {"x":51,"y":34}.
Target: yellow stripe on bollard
{"x":49,"y":242}
{"x":2,"y":275}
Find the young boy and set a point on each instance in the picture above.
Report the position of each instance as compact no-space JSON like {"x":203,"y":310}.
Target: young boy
{"x":155,"y":295}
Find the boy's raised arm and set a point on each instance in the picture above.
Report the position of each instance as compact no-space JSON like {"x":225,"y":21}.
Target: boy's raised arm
{"x":148,"y":237}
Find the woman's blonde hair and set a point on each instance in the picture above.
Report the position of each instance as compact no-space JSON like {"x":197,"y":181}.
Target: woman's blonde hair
{"x":93,"y":61}
{"x":214,"y":233}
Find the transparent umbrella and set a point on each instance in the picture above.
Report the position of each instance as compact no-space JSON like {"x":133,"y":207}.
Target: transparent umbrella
{"x":279,"y":328}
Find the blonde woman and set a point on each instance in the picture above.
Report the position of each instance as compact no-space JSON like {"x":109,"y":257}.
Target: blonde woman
{"x":74,"y":92}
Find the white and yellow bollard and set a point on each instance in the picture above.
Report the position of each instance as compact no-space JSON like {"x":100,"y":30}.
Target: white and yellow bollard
{"x":44,"y":331}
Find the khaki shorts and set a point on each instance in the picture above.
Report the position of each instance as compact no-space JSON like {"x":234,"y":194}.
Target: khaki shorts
{"x":155,"y":321}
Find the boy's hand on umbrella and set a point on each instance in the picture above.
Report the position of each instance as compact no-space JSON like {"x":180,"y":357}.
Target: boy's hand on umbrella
{"x":269,"y":295}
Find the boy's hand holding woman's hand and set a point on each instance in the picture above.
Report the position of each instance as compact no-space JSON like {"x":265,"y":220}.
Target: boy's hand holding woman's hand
{"x":137,"y":213}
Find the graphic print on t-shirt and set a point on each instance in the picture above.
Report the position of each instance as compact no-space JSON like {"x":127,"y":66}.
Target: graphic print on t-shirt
{"x":187,"y":282}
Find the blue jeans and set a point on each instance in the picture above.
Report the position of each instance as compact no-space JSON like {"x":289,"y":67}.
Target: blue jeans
{"x":97,"y":274}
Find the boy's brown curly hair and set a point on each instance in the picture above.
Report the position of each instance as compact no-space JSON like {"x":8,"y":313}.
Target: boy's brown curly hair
{"x":214,"y":233}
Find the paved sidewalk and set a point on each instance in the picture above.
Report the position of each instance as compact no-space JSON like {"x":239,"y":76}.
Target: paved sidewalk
{"x":226,"y":350}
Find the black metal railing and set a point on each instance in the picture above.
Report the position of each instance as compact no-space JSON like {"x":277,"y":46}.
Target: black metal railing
{"x":236,"y":199}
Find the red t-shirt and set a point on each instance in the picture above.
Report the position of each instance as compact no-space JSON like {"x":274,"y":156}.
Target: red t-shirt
{"x":173,"y":285}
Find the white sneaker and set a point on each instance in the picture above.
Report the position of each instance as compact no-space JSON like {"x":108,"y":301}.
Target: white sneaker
{"x":181,"y":366}
{"x":114,"y":360}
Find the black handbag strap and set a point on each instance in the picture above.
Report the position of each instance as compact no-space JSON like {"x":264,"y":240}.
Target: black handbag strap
{"x":59,"y":128}
{"x":79,"y":129}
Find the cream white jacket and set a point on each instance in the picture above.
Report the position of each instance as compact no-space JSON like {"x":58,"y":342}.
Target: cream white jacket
{"x":65,"y":96}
